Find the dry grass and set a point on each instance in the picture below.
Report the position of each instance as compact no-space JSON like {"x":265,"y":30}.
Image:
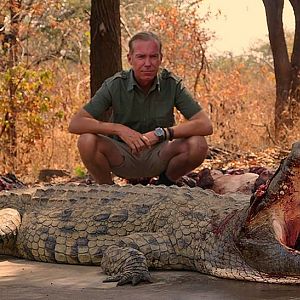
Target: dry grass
{"x":241,"y":109}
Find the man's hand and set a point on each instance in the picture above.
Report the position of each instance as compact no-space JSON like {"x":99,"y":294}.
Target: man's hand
{"x":135,"y":140}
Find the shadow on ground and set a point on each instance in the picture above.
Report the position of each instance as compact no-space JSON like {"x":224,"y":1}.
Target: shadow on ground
{"x":21,"y":279}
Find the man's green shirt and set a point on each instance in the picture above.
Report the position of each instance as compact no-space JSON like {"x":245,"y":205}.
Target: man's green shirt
{"x":141,"y":112}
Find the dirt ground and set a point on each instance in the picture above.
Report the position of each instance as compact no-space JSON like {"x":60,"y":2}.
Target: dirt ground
{"x":22,"y":280}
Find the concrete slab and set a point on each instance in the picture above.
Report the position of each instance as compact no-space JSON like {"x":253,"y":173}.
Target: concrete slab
{"x":22,"y":280}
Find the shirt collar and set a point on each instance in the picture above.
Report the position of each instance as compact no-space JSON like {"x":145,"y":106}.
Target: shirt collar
{"x":132,"y":82}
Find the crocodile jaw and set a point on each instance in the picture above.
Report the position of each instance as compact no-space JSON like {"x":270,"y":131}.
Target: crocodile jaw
{"x":282,"y":201}
{"x":270,"y":238}
{"x":286,"y":214}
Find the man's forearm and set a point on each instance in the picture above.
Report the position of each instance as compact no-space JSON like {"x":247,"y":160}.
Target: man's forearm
{"x":89,"y":125}
{"x":192,"y":128}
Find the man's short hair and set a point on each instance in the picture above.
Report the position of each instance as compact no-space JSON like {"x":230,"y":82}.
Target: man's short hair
{"x":145,"y":36}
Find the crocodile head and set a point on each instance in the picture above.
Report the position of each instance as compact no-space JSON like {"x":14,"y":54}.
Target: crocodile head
{"x":270,"y":238}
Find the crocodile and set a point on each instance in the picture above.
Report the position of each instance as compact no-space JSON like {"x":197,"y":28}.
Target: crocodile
{"x":129,"y":230}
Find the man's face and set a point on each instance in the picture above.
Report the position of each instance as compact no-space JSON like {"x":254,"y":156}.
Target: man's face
{"x":145,"y":60}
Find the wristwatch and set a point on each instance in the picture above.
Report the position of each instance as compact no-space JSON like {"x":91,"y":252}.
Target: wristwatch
{"x":160,"y":133}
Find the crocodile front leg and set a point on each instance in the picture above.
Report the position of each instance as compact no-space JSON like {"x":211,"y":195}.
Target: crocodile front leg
{"x":10,"y":221}
{"x":128,"y":261}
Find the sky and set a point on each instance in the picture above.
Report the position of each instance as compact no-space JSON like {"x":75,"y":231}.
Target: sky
{"x":241,"y":23}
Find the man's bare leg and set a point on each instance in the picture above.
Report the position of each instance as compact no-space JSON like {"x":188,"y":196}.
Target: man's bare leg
{"x":184,"y":155}
{"x":98,"y":154}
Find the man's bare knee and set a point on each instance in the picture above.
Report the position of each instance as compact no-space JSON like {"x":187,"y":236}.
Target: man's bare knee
{"x":197,"y":144}
{"x":203,"y":146}
{"x":87,"y":141}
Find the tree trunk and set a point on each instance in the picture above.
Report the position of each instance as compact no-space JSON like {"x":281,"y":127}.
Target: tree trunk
{"x":12,"y":52}
{"x":286,"y":71}
{"x":295,"y":63}
{"x":105,"y":57}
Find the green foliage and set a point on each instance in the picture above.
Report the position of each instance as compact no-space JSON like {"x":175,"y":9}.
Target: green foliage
{"x":258,"y":62}
{"x":30,"y":103}
{"x":80,"y":171}
{"x":41,"y":36}
{"x":261,"y":53}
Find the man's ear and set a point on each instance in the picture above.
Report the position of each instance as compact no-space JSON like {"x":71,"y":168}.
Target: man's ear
{"x":129,"y":58}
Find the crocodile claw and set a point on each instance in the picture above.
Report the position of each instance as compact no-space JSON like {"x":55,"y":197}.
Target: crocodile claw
{"x":114,"y":278}
{"x":130,"y":277}
{"x":125,"y":265}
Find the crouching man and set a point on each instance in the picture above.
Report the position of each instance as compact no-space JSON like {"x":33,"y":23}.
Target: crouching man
{"x":141,"y":139}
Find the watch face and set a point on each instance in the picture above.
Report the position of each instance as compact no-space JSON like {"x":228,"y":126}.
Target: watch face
{"x":159,"y":132}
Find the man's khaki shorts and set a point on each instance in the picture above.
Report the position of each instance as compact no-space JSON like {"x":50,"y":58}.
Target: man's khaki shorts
{"x":145,"y":164}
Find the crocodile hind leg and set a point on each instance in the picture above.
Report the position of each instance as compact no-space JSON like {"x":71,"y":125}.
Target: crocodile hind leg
{"x":10,"y":221}
{"x":128,"y":260}
{"x":125,"y":265}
